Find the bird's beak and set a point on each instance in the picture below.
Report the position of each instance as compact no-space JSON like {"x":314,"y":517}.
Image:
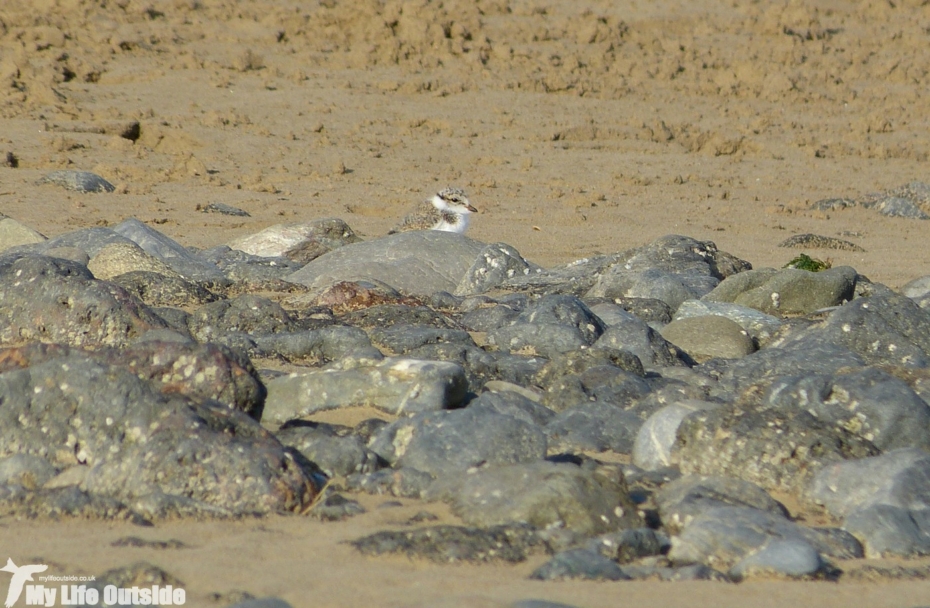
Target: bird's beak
{"x":471,"y":208}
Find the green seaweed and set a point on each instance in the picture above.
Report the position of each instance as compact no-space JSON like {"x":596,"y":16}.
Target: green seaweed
{"x":806,"y":262}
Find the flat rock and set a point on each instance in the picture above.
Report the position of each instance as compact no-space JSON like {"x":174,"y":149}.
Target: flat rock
{"x":791,"y":558}
{"x":444,"y":444}
{"x":122,"y":257}
{"x":682,"y":500}
{"x":334,"y":453}
{"x":160,"y":290}
{"x":168,"y":251}
{"x":788,"y":291}
{"x":452,"y":544}
{"x":13,"y":233}
{"x":582,"y":564}
{"x":709,"y":337}
{"x":595,"y":426}
{"x":416,"y":263}
{"x":817,"y":241}
{"x":78,"y":181}
{"x":396,"y":386}
{"x":760,"y":326}
{"x":545,"y":494}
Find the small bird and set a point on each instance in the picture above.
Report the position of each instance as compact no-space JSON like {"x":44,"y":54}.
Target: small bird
{"x":21,"y":574}
{"x":447,"y":210}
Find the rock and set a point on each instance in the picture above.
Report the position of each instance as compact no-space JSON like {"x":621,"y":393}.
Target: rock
{"x":817,"y":241}
{"x":581,"y":360}
{"x":240,"y":266}
{"x":248,"y":313}
{"x":629,"y":545}
{"x":545,"y":494}
{"x":88,"y":240}
{"x":515,"y":404}
{"x":779,"y":451}
{"x":594,"y":426}
{"x":652,"y":448}
{"x":405,"y":482}
{"x":709,"y":337}
{"x":489,"y":318}
{"x":334,"y":454}
{"x":790,"y":291}
{"x":868,"y":402}
{"x":416,"y":263}
{"x":602,"y":383}
{"x":724,"y":536}
{"x":682,"y":500}
{"x":915,"y":289}
{"x":51,"y":300}
{"x":552,"y":325}
{"x":396,"y":386}
{"x":160,"y":290}
{"x":579,"y":564}
{"x":336,"y":507}
{"x":25,"y":470}
{"x":137,"y":442}
{"x":781,"y":558}
{"x":79,"y":181}
{"x":168,"y":251}
{"x":760,"y":326}
{"x":119,"y":258}
{"x":887,"y":530}
{"x":444,"y":444}
{"x":299,"y":242}
{"x":13,"y":233}
{"x":496,"y":264}
{"x":223,"y":209}
{"x":575,"y":278}
{"x":636,"y":337}
{"x":452,"y":544}
{"x":669,"y":287}
{"x":347,"y":346}
{"x":401,"y":339}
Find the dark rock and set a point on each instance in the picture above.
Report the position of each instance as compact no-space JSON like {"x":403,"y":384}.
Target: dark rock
{"x":648,"y":310}
{"x":388,"y":315}
{"x":248,"y":313}
{"x":405,"y":482}
{"x":448,"y":443}
{"x":401,"y":339}
{"x":887,"y":530}
{"x":788,"y":558}
{"x":70,"y":501}
{"x":451,"y":544}
{"x":79,"y":181}
{"x":489,"y":318}
{"x":224,"y":209}
{"x":636,"y":337}
{"x":817,"y":241}
{"x":629,"y":545}
{"x":51,"y":300}
{"x":240,"y":266}
{"x":510,"y":403}
{"x":595,"y":426}
{"x":332,"y":453}
{"x":136,"y":441}
{"x":536,"y":338}
{"x":545,"y":494}
{"x":319,"y":346}
{"x":336,"y":507}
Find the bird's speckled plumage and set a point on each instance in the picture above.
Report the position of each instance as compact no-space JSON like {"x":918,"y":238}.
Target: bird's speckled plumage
{"x":447,"y":210}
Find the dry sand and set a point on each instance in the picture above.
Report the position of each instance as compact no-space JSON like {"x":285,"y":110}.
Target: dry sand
{"x":576,"y":128}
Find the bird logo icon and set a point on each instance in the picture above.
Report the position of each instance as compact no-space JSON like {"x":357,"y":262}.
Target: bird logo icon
{"x":21,"y":574}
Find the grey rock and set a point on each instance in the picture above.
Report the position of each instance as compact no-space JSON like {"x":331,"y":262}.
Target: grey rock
{"x":401,"y":339}
{"x":652,"y":448}
{"x":581,"y":360}
{"x":495,"y":264}
{"x":546,"y":340}
{"x":25,"y":470}
{"x":448,"y":443}
{"x":335,"y":455}
{"x":636,"y":337}
{"x":300,"y":242}
{"x":72,"y":254}
{"x":451,"y":544}
{"x":545,"y":494}
{"x":629,"y":545}
{"x":396,"y":386}
{"x":510,"y":403}
{"x":416,"y":263}
{"x":682,"y":500}
{"x":13,"y":233}
{"x":89,"y":240}
{"x":79,"y":181}
{"x":346,"y":345}
{"x":791,"y":291}
{"x":693,"y":572}
{"x":649,"y":310}
{"x":564,"y":310}
{"x":723,"y":536}
{"x":489,"y":318}
{"x":887,"y":530}
{"x":790,"y":558}
{"x":900,"y":478}
{"x":405,"y":482}
{"x":594,"y":426}
{"x":917,"y":288}
{"x":136,"y":441}
{"x":55,"y":503}
{"x":240,"y":266}
{"x":673,"y":288}
{"x":480,"y":366}
{"x":247,"y":313}
{"x":168,"y":251}
{"x":579,"y":564}
{"x":336,"y":507}
{"x":895,"y":206}
{"x":52,"y":300}
{"x":709,"y":337}
{"x":868,"y":402}
{"x":779,"y":451}
{"x":604,"y":383}
{"x":224,"y":209}
{"x":575,"y":278}
{"x":388,"y":315}
{"x":760,"y":326}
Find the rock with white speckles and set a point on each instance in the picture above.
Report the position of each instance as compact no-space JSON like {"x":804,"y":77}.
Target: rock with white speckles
{"x":788,"y":291}
{"x":396,"y":386}
{"x":496,"y":264}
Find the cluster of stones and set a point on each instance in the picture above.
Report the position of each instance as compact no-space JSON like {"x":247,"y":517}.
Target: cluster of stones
{"x":634,"y":415}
